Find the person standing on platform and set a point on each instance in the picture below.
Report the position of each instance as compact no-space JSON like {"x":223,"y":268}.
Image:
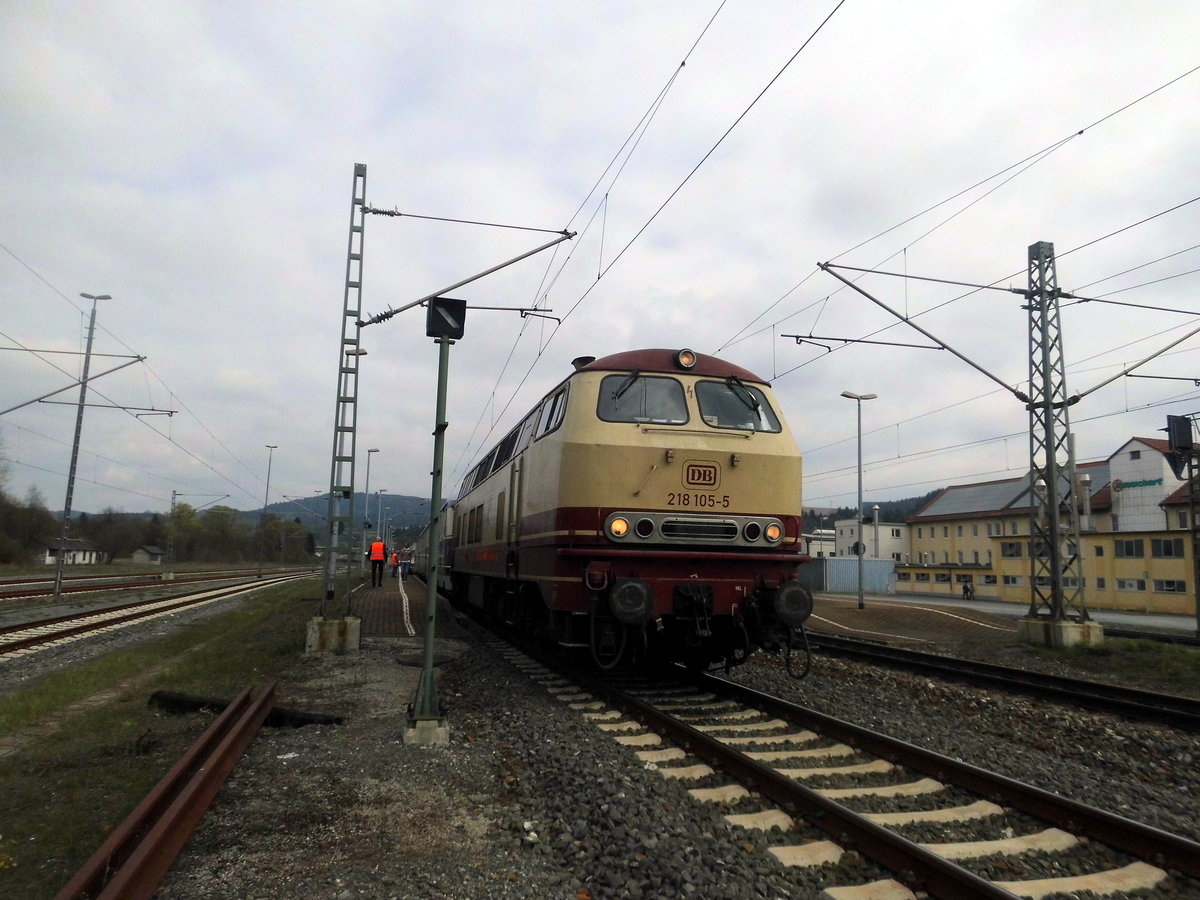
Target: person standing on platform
{"x":378,"y":557}
{"x":394,"y":562}
{"x":405,"y":564}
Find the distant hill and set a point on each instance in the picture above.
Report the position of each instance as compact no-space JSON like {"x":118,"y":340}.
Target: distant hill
{"x":396,"y":509}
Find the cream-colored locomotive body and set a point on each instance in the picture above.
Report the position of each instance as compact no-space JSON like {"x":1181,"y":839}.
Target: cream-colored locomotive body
{"x":649,"y":504}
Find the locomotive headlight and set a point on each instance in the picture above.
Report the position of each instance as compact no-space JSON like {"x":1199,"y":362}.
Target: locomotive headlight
{"x":773,"y":532}
{"x":685,"y":358}
{"x":644,"y":528}
{"x":752,"y":531}
{"x":618,"y":527}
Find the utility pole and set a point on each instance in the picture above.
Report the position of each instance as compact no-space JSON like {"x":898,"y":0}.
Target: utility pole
{"x":66,"y":519}
{"x":262,"y":520}
{"x":340,"y":521}
{"x":1055,"y":570}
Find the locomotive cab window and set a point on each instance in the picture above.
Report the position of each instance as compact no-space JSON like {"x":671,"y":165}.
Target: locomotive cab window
{"x":732,"y":404}
{"x":553,"y":411}
{"x":645,"y":399}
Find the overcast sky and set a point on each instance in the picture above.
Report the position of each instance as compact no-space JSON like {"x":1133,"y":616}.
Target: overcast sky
{"x":195,"y":161}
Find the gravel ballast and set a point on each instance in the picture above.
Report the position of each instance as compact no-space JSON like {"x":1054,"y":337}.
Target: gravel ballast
{"x":530,"y":801}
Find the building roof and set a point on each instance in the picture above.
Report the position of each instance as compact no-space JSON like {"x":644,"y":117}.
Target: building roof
{"x":152,"y":550}
{"x":997,"y":498}
{"x":72,"y":544}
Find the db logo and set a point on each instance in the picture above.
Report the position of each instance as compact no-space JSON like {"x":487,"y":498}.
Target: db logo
{"x":702,"y":475}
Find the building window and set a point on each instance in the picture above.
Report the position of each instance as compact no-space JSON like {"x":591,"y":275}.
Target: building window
{"x":1010,"y":550}
{"x":1012,"y":580}
{"x":1135,"y":454}
{"x":945,"y":558}
{"x":903,"y":576}
{"x":963,"y":579}
{"x":942,"y":577}
{"x":1169,"y":586}
{"x":989,"y":579}
{"x":895,"y":532}
{"x":919,"y":532}
{"x":945,"y":531}
{"x":959,"y":533}
{"x":1012,"y":527}
{"x":975,"y":529}
{"x":1166,"y":548}
{"x":975,"y":553}
{"x":960,"y":557}
{"x":922,"y":576}
{"x":1100,"y":584}
{"x":1099,"y":550}
{"x":1183,"y":522}
{"x":1129,"y":549}
{"x":1115,"y":523}
{"x":1131,"y":584}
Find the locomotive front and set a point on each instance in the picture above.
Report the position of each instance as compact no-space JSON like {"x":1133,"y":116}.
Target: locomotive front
{"x":679,"y":496}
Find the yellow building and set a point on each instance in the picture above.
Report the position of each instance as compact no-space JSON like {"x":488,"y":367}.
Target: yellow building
{"x":1136,"y":542}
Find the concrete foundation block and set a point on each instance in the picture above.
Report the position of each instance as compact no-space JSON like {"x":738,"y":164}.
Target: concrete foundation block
{"x":1060,"y":634}
{"x":333,"y":635}
{"x":431,"y":732}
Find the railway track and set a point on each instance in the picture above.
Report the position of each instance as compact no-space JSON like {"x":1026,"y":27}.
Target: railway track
{"x":1167,"y":709}
{"x":752,"y":754}
{"x":28,"y":637}
{"x":23,"y":588}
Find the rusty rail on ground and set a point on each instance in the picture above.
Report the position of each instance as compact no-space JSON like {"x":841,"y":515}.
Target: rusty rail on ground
{"x":133,"y":860}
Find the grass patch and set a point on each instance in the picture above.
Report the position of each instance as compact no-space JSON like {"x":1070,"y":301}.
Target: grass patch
{"x":65,"y":792}
{"x":1169,"y":668}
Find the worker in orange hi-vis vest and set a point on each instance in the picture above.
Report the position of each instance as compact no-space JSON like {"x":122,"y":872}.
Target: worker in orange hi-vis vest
{"x":378,"y":556}
{"x":394,"y":562}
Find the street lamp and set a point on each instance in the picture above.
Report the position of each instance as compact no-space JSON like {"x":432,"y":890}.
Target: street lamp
{"x":262,"y":519}
{"x":366,"y":507}
{"x":858,"y":544}
{"x":379,"y":505}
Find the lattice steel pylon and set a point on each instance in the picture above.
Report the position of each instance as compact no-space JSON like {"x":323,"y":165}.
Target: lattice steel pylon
{"x":1056,"y":585}
{"x":339,"y":524}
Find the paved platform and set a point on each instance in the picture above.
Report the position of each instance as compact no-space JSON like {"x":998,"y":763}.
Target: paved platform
{"x":397,"y":609}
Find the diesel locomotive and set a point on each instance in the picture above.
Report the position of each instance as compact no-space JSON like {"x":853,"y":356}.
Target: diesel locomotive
{"x":648,"y":507}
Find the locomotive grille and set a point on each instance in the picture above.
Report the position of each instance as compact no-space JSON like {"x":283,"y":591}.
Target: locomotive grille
{"x":699,"y":530}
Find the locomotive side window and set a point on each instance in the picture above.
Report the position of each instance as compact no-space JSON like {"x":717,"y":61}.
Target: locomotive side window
{"x":732,"y":404}
{"x":504,"y":451}
{"x":552,"y":413}
{"x":526,"y":436}
{"x":642,"y":399}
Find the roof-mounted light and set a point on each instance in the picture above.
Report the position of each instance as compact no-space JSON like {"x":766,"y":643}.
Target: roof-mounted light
{"x":685,"y":358}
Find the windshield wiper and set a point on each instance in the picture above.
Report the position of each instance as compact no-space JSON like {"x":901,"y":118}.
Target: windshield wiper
{"x":627,"y":383}
{"x":744,"y":395}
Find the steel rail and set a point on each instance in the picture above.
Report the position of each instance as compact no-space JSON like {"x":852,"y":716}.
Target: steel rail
{"x":1167,"y":709}
{"x":133,"y":860}
{"x":1144,"y":841}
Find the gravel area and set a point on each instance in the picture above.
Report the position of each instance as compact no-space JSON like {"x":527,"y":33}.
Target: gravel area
{"x":528,"y":801}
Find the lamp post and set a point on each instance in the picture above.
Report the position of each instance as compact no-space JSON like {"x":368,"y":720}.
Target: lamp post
{"x":858,"y":544}
{"x":366,"y":508}
{"x":66,"y":521}
{"x":262,"y":519}
{"x":379,"y":506}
